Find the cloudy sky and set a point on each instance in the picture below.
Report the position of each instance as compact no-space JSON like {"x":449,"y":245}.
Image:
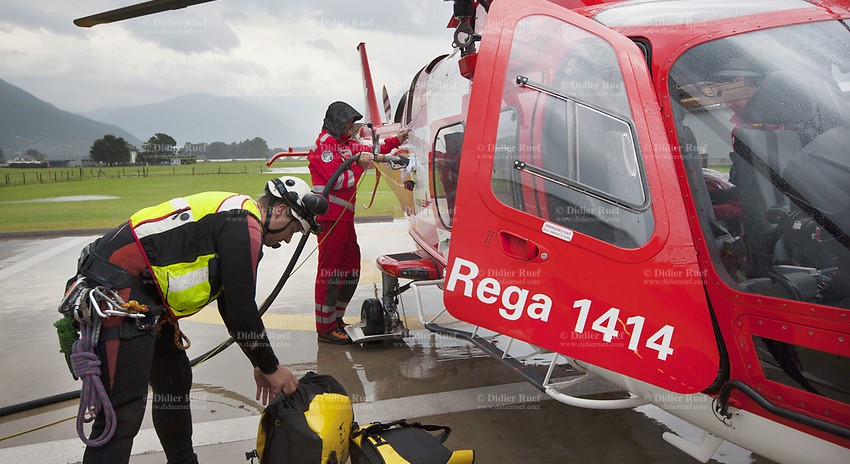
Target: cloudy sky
{"x":292,"y":56}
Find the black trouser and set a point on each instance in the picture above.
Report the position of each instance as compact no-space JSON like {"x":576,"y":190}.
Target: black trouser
{"x":142,"y":359}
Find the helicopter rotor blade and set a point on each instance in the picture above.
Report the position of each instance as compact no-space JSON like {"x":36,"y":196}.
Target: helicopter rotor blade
{"x":387,"y":105}
{"x":134,"y":11}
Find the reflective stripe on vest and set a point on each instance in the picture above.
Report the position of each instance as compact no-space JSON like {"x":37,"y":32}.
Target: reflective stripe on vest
{"x":184,"y":283}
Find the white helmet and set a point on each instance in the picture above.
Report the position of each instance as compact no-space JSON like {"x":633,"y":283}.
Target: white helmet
{"x":303,"y":203}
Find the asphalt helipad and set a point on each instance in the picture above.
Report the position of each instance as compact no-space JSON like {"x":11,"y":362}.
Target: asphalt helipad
{"x":426,"y":377}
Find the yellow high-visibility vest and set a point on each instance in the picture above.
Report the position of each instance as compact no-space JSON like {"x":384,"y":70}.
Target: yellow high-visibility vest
{"x":179,"y":253}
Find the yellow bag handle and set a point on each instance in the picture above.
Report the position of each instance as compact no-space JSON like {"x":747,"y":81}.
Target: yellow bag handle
{"x":462,"y":457}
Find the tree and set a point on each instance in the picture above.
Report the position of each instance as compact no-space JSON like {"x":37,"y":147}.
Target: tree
{"x":2,"y":158}
{"x":110,"y":150}
{"x":255,"y":148}
{"x":218,"y":150}
{"x":158,"y":149}
{"x":35,"y":154}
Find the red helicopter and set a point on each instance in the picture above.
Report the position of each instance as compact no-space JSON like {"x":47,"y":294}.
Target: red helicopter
{"x":558,"y":193}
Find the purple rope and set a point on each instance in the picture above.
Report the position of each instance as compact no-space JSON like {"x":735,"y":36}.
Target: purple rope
{"x":93,"y":396}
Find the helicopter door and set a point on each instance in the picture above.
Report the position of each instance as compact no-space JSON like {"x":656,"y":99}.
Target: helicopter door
{"x":570,"y":230}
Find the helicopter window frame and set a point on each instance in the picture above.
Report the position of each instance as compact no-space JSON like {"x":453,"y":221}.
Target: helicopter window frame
{"x":646,"y":49}
{"x":411,"y":95}
{"x":508,"y":194}
{"x":401,"y":109}
{"x":581,"y":163}
{"x":636,"y":164}
{"x":411,"y":92}
{"x":800,"y":367}
{"x":434,"y":171}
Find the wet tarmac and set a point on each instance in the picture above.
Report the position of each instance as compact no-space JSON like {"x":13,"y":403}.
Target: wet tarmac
{"x":426,"y":377}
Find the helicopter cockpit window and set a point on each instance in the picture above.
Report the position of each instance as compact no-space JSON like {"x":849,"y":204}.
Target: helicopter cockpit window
{"x":770,"y":111}
{"x":446,"y":162}
{"x":575,"y":159}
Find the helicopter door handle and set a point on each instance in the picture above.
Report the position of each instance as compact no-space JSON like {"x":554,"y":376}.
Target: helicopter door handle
{"x":518,"y":247}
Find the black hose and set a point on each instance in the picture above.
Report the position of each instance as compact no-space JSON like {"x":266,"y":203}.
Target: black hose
{"x":46,"y":401}
{"x":264,"y":307}
{"x":326,"y":191}
{"x":723,"y":409}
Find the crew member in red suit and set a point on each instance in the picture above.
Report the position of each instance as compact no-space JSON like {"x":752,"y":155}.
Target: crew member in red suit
{"x":339,"y":253}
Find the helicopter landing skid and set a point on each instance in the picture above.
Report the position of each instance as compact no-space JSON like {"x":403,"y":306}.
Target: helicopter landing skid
{"x":355,"y":331}
{"x":541,"y":376}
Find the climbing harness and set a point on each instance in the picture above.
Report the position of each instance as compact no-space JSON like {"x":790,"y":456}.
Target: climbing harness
{"x":89,"y":304}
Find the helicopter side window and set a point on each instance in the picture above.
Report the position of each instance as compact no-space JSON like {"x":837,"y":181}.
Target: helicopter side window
{"x":446,"y":162}
{"x":784,"y":125}
{"x":575,"y":158}
{"x":804,"y":368}
{"x":505,"y":180}
{"x":399,"y":111}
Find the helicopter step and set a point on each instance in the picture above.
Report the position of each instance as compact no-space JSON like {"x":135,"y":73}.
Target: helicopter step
{"x":379,"y":317}
{"x":412,"y":265}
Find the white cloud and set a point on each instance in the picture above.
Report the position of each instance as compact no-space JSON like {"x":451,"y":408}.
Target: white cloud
{"x":253,"y":49}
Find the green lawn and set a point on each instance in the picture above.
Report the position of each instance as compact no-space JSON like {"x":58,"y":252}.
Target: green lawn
{"x":138,"y":190}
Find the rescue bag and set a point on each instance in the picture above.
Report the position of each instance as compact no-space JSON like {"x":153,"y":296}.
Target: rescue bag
{"x":400,"y":442}
{"x":310,"y":426}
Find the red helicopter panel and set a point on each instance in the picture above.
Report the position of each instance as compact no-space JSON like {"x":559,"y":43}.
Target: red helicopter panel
{"x":585,"y":249}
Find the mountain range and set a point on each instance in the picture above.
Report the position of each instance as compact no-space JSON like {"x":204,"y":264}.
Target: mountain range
{"x":29,"y":123}
{"x":196,"y":118}
{"x":26,"y":122}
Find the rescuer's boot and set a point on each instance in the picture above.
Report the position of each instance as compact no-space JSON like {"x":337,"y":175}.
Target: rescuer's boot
{"x":336,"y":336}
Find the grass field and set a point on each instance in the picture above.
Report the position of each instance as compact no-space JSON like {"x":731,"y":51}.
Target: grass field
{"x":25,"y":207}
{"x":23,"y":196}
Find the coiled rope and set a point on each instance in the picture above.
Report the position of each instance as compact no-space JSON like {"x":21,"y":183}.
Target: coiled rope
{"x":93,"y":397}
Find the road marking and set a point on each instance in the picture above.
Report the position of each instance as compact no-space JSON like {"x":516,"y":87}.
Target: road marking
{"x":303,"y":322}
{"x":64,"y":245}
{"x":271,"y":321}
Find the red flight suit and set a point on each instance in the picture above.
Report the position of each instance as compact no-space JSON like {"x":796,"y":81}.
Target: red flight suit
{"x":339,"y":253}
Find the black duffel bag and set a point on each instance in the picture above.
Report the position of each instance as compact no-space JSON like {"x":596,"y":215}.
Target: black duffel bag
{"x":310,"y":426}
